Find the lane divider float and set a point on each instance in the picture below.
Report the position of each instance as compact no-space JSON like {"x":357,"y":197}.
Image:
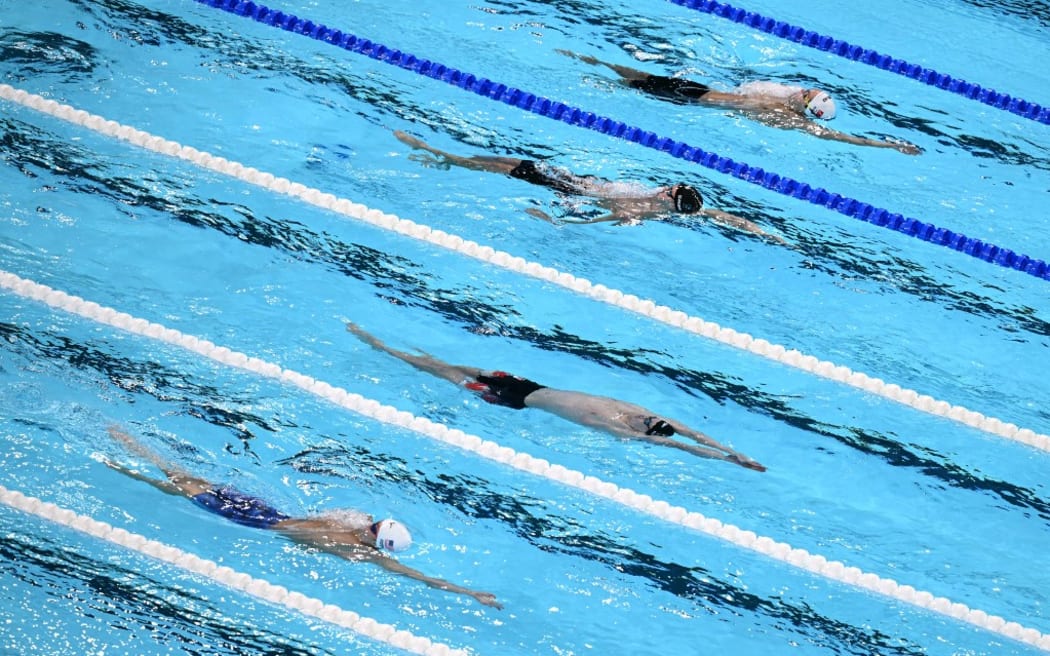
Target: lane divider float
{"x":928,"y":232}
{"x":256,"y":587}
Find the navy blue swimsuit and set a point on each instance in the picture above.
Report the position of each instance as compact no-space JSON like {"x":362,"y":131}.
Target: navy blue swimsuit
{"x":240,"y":508}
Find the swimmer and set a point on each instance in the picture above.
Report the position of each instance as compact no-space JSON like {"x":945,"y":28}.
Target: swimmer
{"x":626,"y":203}
{"x":351,"y":535}
{"x":599,"y":412}
{"x":772,"y":103}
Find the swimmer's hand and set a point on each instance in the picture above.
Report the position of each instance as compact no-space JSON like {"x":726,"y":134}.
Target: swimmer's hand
{"x":744,"y":461}
{"x":587,"y":59}
{"x":540,"y":214}
{"x":363,"y":335}
{"x":488,"y":599}
{"x":430,"y":161}
{"x":905,"y":147}
{"x":409,"y":140}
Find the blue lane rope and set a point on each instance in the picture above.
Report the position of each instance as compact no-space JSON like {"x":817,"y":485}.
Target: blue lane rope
{"x":928,"y":232}
{"x":928,"y":76}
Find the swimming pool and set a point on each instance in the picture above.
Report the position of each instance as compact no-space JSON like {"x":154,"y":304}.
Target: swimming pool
{"x":924,"y":500}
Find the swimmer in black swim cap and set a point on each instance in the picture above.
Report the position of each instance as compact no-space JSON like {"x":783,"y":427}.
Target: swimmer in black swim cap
{"x":686,"y":199}
{"x":624,"y":203}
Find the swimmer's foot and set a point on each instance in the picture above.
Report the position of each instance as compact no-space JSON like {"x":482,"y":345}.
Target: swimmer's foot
{"x":586,"y":59}
{"x":363,"y":335}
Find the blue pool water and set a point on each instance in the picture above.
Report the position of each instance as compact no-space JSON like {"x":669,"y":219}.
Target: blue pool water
{"x":854,"y":477}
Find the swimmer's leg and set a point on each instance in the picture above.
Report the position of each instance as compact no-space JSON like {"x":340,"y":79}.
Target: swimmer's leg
{"x":179,"y":481}
{"x":451,"y":372}
{"x":626,"y":73}
{"x":489,"y":163}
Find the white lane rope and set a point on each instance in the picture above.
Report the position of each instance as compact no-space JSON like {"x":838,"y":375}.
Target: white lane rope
{"x":800,"y":558}
{"x":645,"y":307}
{"x":259,"y":588}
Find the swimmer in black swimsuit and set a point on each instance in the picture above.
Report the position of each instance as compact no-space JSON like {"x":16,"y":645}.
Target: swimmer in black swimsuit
{"x":622,"y":206}
{"x":603,"y":413}
{"x":777,"y":105}
{"x":349,"y":535}
{"x":674,"y":89}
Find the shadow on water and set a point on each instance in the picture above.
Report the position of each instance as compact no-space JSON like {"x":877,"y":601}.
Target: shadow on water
{"x":103,"y":591}
{"x":47,"y":53}
{"x":133,"y":377}
{"x":1033,"y":10}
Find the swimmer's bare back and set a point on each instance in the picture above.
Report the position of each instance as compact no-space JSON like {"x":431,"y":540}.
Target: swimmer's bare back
{"x":632,"y":421}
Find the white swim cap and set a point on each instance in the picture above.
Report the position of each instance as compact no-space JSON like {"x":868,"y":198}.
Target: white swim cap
{"x":392,"y":535}
{"x":821,"y":106}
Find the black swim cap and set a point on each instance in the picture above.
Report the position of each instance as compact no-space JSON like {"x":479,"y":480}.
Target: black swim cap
{"x":687,"y":200}
{"x":658,"y":427}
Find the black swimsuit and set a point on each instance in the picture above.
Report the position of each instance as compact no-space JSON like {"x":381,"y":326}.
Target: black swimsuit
{"x":556,"y":179}
{"x":504,"y":389}
{"x":671,"y":88}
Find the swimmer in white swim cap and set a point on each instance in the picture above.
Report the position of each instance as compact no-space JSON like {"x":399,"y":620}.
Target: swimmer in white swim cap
{"x":349,"y":534}
{"x":779,"y":105}
{"x":391,"y":535}
{"x":819,"y":104}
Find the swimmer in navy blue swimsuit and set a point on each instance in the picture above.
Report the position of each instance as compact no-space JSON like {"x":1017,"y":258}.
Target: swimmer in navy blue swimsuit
{"x":600,"y":412}
{"x":240,"y":508}
{"x":348,"y":534}
{"x":623,"y":203}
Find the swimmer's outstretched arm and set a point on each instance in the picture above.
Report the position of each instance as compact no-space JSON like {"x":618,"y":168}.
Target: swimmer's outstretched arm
{"x":397,"y":567}
{"x":453,"y":373}
{"x":541,"y":215}
{"x":823,"y":132}
{"x":605,"y":218}
{"x":701,"y":451}
{"x":722,"y":452}
{"x":725,"y":218}
{"x":738,"y":222}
